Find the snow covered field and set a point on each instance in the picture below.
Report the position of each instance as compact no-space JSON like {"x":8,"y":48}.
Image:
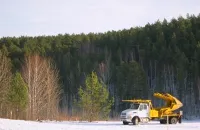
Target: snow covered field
{"x":6,"y":124}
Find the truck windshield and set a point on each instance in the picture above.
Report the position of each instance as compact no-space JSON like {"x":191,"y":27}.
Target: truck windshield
{"x":134,"y":106}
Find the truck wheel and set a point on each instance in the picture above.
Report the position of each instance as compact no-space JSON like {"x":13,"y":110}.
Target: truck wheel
{"x":125,"y":123}
{"x":180,"y":120}
{"x":163,"y":121}
{"x":173,"y":120}
{"x":135,"y":121}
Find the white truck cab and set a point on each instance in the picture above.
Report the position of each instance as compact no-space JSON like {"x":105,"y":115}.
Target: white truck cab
{"x":138,"y":112}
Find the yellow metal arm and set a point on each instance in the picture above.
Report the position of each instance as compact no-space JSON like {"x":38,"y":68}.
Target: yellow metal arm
{"x":172,"y":102}
{"x":137,"y":101}
{"x":140,"y":101}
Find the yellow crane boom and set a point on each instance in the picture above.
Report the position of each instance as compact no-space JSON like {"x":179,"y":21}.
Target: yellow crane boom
{"x":172,"y":103}
{"x":140,"y":101}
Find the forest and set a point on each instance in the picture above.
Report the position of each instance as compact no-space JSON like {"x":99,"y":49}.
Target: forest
{"x":133,"y":63}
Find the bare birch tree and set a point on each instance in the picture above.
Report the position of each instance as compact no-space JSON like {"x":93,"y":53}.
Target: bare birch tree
{"x":5,"y":79}
{"x":43,"y":88}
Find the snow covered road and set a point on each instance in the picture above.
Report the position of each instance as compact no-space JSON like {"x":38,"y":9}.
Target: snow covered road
{"x":6,"y":124}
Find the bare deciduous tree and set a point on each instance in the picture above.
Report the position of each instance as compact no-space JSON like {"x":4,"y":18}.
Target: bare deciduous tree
{"x":43,"y":88}
{"x":5,"y":79}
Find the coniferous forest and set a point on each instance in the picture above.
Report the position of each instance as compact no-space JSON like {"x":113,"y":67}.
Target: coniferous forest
{"x":132,"y":63}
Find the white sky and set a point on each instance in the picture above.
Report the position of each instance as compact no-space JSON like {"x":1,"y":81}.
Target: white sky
{"x":52,"y":17}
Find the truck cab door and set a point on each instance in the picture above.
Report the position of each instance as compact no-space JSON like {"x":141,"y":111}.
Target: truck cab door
{"x":143,"y":110}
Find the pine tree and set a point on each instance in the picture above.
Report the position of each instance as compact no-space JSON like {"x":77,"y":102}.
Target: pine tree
{"x":94,"y":99}
{"x":18,"y":94}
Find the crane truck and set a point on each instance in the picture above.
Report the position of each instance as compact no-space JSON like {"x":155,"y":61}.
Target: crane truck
{"x":143,"y":111}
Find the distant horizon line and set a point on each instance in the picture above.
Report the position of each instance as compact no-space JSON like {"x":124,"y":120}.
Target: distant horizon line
{"x":87,"y":33}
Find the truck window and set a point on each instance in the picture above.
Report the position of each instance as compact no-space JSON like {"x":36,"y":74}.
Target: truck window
{"x":141,"y":107}
{"x":134,"y":106}
{"x":145,"y":107}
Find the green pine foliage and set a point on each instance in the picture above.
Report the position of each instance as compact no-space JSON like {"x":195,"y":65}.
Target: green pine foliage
{"x":94,"y":99}
{"x":131,"y":81}
{"x":18,"y":94}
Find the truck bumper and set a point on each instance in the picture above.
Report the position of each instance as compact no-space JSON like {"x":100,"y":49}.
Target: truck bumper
{"x":125,"y":119}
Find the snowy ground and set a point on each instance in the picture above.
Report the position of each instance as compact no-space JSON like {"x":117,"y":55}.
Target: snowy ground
{"x":6,"y":124}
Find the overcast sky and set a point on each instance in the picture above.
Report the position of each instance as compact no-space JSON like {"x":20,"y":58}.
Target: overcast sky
{"x":52,"y":17}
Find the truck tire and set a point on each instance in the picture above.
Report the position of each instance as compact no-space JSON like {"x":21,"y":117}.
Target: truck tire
{"x":163,"y":121}
{"x":125,"y":123}
{"x":135,"y":120}
{"x":180,"y":120}
{"x":173,"y":120}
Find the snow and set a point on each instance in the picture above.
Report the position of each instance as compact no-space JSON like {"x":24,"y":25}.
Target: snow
{"x":7,"y":124}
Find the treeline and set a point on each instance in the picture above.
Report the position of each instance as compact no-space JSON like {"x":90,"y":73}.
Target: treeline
{"x":133,"y":63}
